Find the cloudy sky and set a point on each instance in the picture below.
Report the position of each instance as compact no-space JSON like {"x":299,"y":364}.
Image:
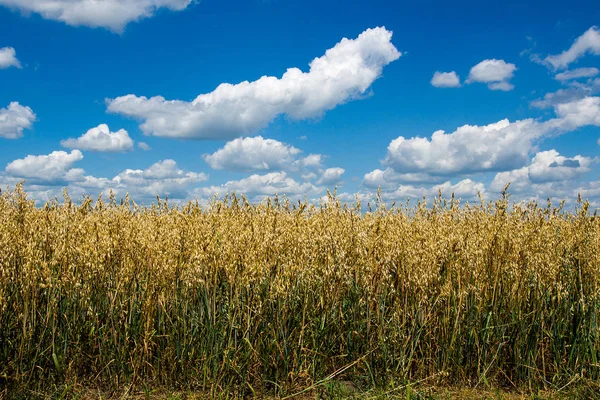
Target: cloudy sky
{"x":186,"y":99}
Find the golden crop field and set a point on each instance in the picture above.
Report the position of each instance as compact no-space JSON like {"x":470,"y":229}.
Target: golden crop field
{"x":276,"y":297}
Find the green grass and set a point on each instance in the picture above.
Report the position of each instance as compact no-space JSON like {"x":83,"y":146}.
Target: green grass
{"x":333,"y":390}
{"x":241,"y":300}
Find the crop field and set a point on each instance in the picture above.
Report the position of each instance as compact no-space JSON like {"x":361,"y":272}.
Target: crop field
{"x":281,"y":298}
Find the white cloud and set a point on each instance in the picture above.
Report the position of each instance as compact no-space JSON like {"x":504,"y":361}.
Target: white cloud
{"x":8,"y":58}
{"x":163,"y":178}
{"x":15,"y":118}
{"x":471,"y":148}
{"x":344,"y":73}
{"x":144,"y":146}
{"x":44,"y":168}
{"x":309,"y":176}
{"x":46,"y":175}
{"x":518,"y":178}
{"x":548,"y":175}
{"x":589,"y":42}
{"x":377,"y":179}
{"x":331,"y":176}
{"x":445,"y":79}
{"x":253,"y":153}
{"x":101,"y":138}
{"x":503,"y":86}
{"x":549,"y":166}
{"x":575,"y":114}
{"x":110,"y":14}
{"x":501,"y":146}
{"x":260,"y":186}
{"x":465,"y":188}
{"x":577,"y":73}
{"x":496,"y":73}
{"x":389,"y":178}
{"x":167,"y":169}
{"x":310,"y":161}
{"x":259,"y":154}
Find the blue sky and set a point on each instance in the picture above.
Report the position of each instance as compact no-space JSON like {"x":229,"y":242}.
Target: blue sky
{"x":129,"y":95}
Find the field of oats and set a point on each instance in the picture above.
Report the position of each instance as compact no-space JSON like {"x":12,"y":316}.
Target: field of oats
{"x":277,"y":298}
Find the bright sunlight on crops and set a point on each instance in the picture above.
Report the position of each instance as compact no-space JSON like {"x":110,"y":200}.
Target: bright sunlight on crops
{"x":271,"y":298}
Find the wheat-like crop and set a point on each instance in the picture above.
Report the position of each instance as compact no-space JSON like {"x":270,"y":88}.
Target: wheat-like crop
{"x":272,"y":297}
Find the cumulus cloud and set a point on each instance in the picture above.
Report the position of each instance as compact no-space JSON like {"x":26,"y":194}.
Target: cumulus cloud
{"x":44,"y":168}
{"x":163,"y":178}
{"x":388,"y":178}
{"x":258,"y":186}
{"x":310,"y":161}
{"x":501,"y":146}
{"x":469,"y":149}
{"x":259,"y":154}
{"x":101,"y":139}
{"x":253,"y":153}
{"x":144,"y":146}
{"x":577,"y":73}
{"x":15,"y":118}
{"x":8,"y":58}
{"x":379,"y":179}
{"x":331,"y":176}
{"x":548,"y":174}
{"x":110,"y":14}
{"x":588,"y":43}
{"x":46,"y":175}
{"x":344,"y":73}
{"x":445,"y":79}
{"x":548,"y":166}
{"x":466,"y":189}
{"x":576,"y":114}
{"x":496,"y":73}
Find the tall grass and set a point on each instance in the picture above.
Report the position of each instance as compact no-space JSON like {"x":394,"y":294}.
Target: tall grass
{"x":275,"y":297}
